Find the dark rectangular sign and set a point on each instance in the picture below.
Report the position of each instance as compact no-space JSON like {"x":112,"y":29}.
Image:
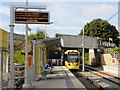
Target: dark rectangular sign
{"x":31,"y":17}
{"x":73,"y":53}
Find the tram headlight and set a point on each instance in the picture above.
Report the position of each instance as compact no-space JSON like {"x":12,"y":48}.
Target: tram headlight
{"x":69,"y":64}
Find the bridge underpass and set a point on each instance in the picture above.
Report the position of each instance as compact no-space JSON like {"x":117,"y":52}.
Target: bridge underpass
{"x":48,"y":48}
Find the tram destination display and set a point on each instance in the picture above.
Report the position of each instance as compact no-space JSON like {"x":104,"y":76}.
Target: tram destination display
{"x":31,"y":17}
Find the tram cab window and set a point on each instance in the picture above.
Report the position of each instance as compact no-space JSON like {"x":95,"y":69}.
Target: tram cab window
{"x":72,"y":58}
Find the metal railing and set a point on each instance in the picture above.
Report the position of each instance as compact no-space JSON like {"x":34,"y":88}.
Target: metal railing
{"x":19,"y":75}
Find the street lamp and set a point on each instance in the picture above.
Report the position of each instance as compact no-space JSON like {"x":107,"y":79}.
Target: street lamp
{"x":83,"y":46}
{"x":27,"y":81}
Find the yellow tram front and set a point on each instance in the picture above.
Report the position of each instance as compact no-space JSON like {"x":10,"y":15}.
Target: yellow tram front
{"x":72,"y":59}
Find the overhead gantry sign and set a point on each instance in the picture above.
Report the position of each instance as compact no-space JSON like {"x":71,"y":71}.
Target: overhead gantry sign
{"x":31,"y":17}
{"x":24,"y":16}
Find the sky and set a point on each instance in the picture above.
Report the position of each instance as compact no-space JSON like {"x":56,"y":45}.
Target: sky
{"x":68,"y":16}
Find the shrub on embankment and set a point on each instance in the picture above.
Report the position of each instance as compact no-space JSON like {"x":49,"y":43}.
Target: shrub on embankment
{"x":117,"y":49}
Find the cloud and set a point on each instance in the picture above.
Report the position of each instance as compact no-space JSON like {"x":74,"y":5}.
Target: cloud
{"x":4,"y":17}
{"x":4,"y":10}
{"x":67,"y":30}
{"x":98,"y":10}
{"x":4,"y":24}
{"x":61,"y":1}
{"x":65,"y":14}
{"x":116,"y":27}
{"x":67,"y":18}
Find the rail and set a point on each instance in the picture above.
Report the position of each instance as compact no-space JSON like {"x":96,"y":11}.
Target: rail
{"x":105,"y":77}
{"x":110,"y":78}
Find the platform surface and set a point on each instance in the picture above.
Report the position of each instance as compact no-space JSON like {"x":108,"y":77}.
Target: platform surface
{"x":60,"y":78}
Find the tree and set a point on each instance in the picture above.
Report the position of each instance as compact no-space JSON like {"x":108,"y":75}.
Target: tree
{"x":31,"y":37}
{"x":40,"y":34}
{"x":19,"y":58}
{"x":102,"y":29}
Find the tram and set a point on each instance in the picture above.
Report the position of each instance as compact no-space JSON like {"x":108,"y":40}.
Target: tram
{"x":72,"y":60}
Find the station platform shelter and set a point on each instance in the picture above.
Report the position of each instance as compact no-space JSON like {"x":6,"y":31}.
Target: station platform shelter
{"x":4,"y":57}
{"x":54,"y":48}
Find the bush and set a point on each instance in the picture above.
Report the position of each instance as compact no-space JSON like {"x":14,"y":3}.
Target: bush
{"x":117,"y":50}
{"x":19,"y":58}
{"x":86,"y":58}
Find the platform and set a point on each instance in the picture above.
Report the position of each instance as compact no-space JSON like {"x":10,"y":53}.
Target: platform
{"x":112,"y":70}
{"x":60,"y":78}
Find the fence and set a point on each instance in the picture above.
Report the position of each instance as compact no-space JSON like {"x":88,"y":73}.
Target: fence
{"x":19,"y":75}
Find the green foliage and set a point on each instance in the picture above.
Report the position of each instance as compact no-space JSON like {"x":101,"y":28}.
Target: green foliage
{"x":40,"y":34}
{"x":117,"y":49}
{"x":102,"y":29}
{"x":19,"y":58}
{"x":31,"y":37}
{"x":80,"y":50}
{"x":86,"y":58}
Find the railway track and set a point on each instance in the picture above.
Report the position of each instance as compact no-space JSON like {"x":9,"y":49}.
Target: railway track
{"x":104,"y":75}
{"x":90,"y":68}
{"x":100,"y":79}
{"x":85,"y":82}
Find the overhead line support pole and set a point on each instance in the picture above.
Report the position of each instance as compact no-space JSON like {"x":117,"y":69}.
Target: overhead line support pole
{"x":83,"y":46}
{"x":11,"y":74}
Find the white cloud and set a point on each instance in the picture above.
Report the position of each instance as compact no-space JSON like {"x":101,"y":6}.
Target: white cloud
{"x":4,"y":17}
{"x":97,"y":10}
{"x":4,"y":25}
{"x":61,"y":0}
{"x":116,"y":27}
{"x":4,"y":10}
{"x":66,"y":17}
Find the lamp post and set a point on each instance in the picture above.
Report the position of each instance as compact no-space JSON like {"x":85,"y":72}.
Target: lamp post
{"x":83,"y":46}
{"x":27,"y":77}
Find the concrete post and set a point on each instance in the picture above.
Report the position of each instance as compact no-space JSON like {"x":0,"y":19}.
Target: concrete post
{"x":27,"y":74}
{"x":83,"y":39}
{"x":27,"y":83}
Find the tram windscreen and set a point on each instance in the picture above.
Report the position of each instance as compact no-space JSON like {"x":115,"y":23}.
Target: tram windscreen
{"x":72,"y":57}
